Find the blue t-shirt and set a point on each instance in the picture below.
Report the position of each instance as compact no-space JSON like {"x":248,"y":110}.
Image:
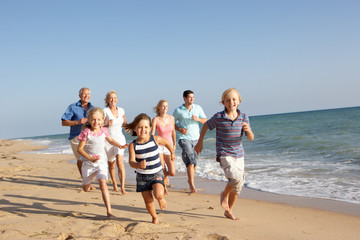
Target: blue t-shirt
{"x":228,"y":134}
{"x":75,"y":112}
{"x":183,"y":119}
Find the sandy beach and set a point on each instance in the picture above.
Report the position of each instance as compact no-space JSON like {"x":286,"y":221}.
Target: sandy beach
{"x":41,"y":198}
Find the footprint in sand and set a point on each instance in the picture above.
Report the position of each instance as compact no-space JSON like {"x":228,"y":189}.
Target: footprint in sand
{"x":215,"y":236}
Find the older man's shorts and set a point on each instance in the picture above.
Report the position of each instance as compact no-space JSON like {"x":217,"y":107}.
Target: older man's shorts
{"x":188,"y":154}
{"x":74,"y":146}
{"x":234,"y":171}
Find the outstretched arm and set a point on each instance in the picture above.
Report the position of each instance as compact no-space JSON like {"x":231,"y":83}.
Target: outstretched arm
{"x":115,"y":143}
{"x":69,"y":123}
{"x":199,"y":146}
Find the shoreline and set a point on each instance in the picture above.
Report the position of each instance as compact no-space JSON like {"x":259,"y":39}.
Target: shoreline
{"x":208,"y":186}
{"x":41,"y":198}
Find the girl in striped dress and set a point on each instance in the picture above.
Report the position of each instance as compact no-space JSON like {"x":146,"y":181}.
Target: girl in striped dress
{"x":144,"y":157}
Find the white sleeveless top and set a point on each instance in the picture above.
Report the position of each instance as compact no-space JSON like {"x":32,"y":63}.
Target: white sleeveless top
{"x":115,"y":130}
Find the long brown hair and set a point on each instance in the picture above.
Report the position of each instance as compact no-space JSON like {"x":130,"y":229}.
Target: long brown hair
{"x":131,"y":126}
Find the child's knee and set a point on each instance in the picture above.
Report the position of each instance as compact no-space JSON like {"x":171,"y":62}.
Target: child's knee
{"x":158,"y":195}
{"x":171,"y":172}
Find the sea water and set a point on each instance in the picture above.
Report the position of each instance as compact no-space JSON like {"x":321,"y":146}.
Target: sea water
{"x":313,"y":154}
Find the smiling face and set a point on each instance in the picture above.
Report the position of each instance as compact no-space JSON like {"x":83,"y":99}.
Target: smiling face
{"x":231,"y":101}
{"x":143,"y":129}
{"x":96,"y":120}
{"x":189,"y":100}
{"x":112,"y":99}
{"x":84,"y":95}
{"x":163,"y":108}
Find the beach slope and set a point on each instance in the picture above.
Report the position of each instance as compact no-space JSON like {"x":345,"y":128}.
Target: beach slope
{"x":41,"y":198}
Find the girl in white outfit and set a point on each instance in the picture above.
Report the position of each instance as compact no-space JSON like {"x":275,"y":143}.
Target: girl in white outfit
{"x":92,"y":151}
{"x":114,"y":119}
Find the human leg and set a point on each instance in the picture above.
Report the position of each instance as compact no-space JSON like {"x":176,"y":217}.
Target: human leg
{"x":189,"y":158}
{"x":165,"y":169}
{"x":149,"y":203}
{"x":79,"y":165}
{"x":111,"y":165}
{"x":234,"y":171}
{"x":170,"y":165}
{"x":191,"y":175}
{"x":158,"y":192}
{"x":105,"y":196}
{"x":121,"y":172}
{"x":74,"y":143}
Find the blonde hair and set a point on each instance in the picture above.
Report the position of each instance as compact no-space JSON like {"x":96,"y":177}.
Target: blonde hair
{"x":131,"y":126}
{"x":90,"y":115}
{"x":108,"y":96}
{"x":227,"y":91}
{"x":156,"y":109}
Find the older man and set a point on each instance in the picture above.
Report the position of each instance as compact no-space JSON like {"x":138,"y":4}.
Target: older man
{"x":74,"y":117}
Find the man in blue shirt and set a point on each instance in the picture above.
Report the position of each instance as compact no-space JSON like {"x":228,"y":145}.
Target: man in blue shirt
{"x":189,"y":118}
{"x":74,"y":117}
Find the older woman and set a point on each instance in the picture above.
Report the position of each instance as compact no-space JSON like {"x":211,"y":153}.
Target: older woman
{"x":114,"y":119}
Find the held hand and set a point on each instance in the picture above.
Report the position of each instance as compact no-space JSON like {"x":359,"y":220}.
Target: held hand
{"x":195,"y":118}
{"x":173,"y":157}
{"x":184,"y":131}
{"x":198,"y":148}
{"x":83,"y":120}
{"x":246,"y":126}
{"x":111,"y":122}
{"x":94,"y":158}
{"x":143,"y":164}
{"x":124,"y":146}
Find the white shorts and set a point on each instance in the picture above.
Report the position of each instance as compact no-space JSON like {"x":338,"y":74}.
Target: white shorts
{"x":112,"y":151}
{"x":89,"y":173}
{"x":234,"y":171}
{"x":164,"y":150}
{"x":74,"y":146}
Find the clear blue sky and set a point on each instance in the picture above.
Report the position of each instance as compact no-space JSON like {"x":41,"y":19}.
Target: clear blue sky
{"x":283,"y":56}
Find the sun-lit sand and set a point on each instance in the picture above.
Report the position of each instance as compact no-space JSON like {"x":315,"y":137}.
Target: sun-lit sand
{"x":41,"y":198}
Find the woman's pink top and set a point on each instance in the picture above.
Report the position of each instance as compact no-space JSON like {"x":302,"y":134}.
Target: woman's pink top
{"x":165,"y":131}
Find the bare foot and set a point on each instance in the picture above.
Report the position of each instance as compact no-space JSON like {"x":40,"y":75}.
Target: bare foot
{"x":224,"y":201}
{"x":110,"y":216}
{"x":116,"y":189}
{"x":155,"y":221}
{"x":162,"y":203}
{"x":193,"y":190}
{"x":123,"y":191}
{"x":229,"y":215}
{"x":92,"y":188}
{"x":165,"y":190}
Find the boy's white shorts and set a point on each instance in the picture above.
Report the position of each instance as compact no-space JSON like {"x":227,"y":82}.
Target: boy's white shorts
{"x":234,"y":171}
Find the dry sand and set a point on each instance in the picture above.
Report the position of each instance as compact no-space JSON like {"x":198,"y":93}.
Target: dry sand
{"x":41,"y":198}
